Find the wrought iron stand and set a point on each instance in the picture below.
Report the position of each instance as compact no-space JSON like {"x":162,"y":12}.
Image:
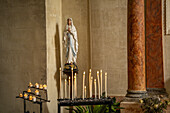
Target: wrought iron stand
{"x":39,"y":100}
{"x":87,"y":101}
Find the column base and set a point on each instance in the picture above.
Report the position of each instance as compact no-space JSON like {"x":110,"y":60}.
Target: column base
{"x":157,"y":92}
{"x":131,"y":107}
{"x":136,"y":94}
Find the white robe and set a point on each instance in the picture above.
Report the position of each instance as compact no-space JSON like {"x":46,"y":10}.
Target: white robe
{"x":71,"y":43}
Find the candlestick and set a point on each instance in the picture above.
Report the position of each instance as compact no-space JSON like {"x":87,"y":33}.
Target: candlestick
{"x":65,"y":88}
{"x":98,"y":84}
{"x":72,"y":83}
{"x":85,"y":91}
{"x":69,"y":87}
{"x":75,"y":86}
{"x":106,"y":84}
{"x":90,"y":82}
{"x":83,"y":83}
{"x":91,"y":92}
{"x":95,"y":90}
{"x":60,"y":82}
{"x":101,"y":82}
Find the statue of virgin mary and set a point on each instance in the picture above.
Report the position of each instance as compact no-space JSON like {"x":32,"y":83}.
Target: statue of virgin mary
{"x":70,"y":41}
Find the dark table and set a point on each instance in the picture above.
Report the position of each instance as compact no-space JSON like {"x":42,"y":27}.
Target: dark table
{"x":86,"y":101}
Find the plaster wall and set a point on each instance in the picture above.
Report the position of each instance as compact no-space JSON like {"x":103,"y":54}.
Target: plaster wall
{"x":22,"y":51}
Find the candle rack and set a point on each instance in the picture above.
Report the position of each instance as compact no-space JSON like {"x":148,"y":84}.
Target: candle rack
{"x":39,"y":99}
{"x":86,"y":101}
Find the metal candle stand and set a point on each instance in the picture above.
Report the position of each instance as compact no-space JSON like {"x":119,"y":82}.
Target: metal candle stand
{"x":86,"y":101}
{"x":41,"y":100}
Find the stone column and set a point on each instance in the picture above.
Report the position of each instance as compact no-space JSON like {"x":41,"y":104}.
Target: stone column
{"x":154,"y":48}
{"x":136,"y":49}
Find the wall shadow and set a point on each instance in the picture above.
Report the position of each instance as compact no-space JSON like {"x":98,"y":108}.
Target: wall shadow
{"x":58,"y":59}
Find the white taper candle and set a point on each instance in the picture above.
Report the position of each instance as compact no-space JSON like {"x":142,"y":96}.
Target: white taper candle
{"x":85,"y":91}
{"x":106,"y":84}
{"x":89,"y":82}
{"x":91,"y":87}
{"x":101,"y":79}
{"x":98,"y":84}
{"x":72,"y":83}
{"x":60,"y":82}
{"x":69,"y":85}
{"x":65,"y":88}
{"x":95,"y":90}
{"x":75,"y":86}
{"x":83,"y":84}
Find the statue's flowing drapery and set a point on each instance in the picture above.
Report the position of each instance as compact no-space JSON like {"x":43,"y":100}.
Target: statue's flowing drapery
{"x":71,"y":43}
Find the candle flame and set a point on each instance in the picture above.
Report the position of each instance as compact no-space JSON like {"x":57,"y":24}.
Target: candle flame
{"x":69,"y":77}
{"x":60,"y":69}
{"x":90,"y":70}
{"x":106,"y":74}
{"x":100,"y":71}
{"x":84,"y":72}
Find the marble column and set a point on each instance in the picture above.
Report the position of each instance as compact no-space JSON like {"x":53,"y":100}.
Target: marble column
{"x":136,"y":49}
{"x":154,"y":48}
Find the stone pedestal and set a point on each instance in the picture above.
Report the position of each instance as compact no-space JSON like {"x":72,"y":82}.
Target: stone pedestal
{"x":68,"y":72}
{"x":136,"y":49}
{"x":131,"y":107}
{"x":157,"y":92}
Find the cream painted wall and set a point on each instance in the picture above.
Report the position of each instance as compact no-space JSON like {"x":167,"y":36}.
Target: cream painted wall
{"x":53,"y":40}
{"x":22,"y":51}
{"x":109,"y":42}
{"x":166,"y":42}
{"x":78,"y":10}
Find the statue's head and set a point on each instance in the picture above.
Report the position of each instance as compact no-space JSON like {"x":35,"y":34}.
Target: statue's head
{"x":69,"y":21}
